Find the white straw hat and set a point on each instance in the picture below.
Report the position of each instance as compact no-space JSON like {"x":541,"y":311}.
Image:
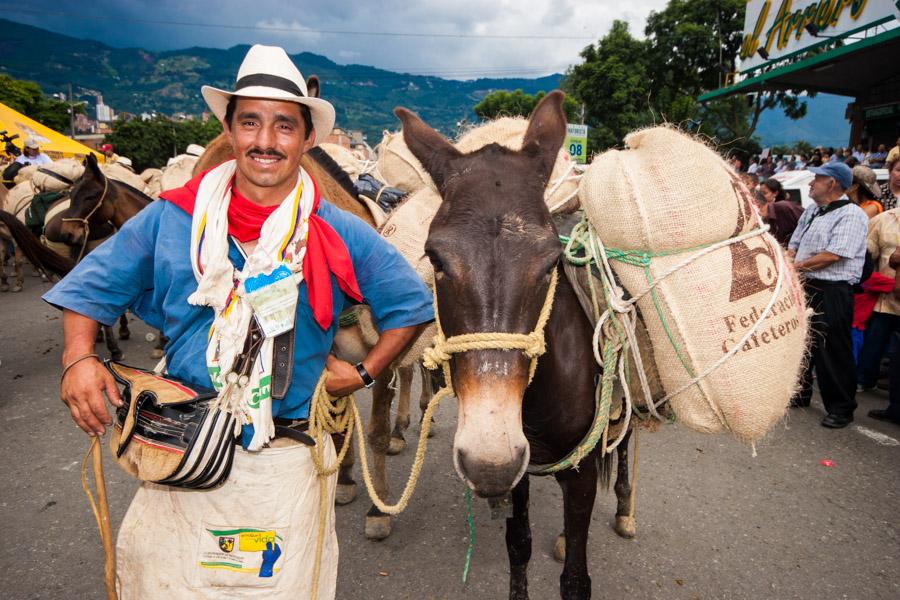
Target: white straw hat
{"x":194,"y":149}
{"x":268,"y":73}
{"x":30,"y":142}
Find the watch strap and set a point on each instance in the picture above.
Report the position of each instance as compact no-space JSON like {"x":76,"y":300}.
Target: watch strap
{"x":367,"y":379}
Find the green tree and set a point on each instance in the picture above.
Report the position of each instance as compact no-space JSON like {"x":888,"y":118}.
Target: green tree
{"x":28,"y":98}
{"x":613,"y":84}
{"x":151,"y":143}
{"x":502,"y":103}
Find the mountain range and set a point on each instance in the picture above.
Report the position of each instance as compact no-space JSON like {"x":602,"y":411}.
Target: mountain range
{"x":137,"y":81}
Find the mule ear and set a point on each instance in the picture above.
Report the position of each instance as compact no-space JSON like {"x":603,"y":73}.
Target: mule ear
{"x":313,"y":86}
{"x":430,"y":147}
{"x":546,"y":130}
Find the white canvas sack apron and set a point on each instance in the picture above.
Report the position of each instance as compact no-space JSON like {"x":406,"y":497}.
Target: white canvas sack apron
{"x":187,"y":544}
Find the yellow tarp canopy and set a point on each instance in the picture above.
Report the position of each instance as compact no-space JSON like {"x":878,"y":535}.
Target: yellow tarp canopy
{"x":53,"y":144}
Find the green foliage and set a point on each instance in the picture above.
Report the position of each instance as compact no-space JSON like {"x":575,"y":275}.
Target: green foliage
{"x":151,"y":143}
{"x":613,"y":85}
{"x":690,"y":45}
{"x":519,"y":104}
{"x":28,"y":98}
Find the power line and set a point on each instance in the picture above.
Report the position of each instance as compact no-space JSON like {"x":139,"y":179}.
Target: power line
{"x":304,"y":31}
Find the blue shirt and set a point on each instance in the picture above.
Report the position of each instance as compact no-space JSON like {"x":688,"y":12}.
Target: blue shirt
{"x":841,"y":231}
{"x":146,"y":268}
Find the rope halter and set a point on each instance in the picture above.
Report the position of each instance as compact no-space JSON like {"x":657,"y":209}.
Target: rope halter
{"x":85,"y":221}
{"x":533,"y":344}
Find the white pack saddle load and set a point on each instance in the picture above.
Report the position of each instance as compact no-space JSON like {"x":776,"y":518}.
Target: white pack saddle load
{"x":725,"y":312}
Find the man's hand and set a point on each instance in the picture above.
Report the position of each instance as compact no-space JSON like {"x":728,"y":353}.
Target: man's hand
{"x":82,"y":391}
{"x":82,"y":386}
{"x":343,"y":378}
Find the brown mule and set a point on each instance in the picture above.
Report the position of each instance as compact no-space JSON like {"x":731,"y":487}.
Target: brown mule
{"x":494,"y":248}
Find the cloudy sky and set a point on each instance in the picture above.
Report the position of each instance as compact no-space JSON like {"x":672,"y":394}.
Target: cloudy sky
{"x":456,"y":39}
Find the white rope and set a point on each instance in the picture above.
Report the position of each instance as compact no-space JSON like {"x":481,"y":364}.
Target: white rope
{"x":570,"y":175}
{"x":627,"y":317}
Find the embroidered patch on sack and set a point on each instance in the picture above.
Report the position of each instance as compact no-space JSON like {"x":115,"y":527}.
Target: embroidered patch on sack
{"x":246,"y":550}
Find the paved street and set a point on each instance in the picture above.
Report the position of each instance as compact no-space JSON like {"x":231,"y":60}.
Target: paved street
{"x":714,"y":522}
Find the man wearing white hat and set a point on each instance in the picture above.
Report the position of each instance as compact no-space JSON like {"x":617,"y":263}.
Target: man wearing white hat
{"x":31,"y":153}
{"x":192,"y":266}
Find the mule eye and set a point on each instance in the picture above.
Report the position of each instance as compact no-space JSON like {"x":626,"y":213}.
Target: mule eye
{"x":435,"y":262}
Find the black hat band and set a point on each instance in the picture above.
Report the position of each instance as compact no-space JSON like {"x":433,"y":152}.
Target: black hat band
{"x":273,"y":81}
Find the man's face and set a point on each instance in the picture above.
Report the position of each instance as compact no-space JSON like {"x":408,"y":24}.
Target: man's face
{"x":268,"y":137}
{"x":821,"y":188}
{"x":32,"y":152}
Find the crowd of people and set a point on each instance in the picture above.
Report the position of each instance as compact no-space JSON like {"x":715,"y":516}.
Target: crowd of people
{"x":846,"y":248}
{"x":764,"y":167}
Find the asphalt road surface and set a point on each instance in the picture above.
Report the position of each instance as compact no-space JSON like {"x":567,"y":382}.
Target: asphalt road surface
{"x":714,"y":522}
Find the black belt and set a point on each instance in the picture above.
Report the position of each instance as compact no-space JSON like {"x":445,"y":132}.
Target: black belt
{"x":825,"y":282}
{"x":295,"y":429}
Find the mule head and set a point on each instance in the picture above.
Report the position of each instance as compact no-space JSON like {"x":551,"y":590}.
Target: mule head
{"x":85,"y":196}
{"x":493,"y":247}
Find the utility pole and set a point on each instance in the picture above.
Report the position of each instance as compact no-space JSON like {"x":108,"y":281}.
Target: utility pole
{"x":71,"y":112}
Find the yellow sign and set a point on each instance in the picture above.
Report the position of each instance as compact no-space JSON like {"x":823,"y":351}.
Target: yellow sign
{"x":255,"y":541}
{"x":780,"y":27}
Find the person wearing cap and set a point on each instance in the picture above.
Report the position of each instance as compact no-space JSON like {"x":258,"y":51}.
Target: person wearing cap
{"x":183,"y":266}
{"x":828,"y":249}
{"x":864,"y":191}
{"x":31,"y":153}
{"x":107,"y":150}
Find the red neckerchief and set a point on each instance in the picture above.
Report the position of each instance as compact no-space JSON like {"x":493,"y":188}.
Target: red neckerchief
{"x":325,"y":250}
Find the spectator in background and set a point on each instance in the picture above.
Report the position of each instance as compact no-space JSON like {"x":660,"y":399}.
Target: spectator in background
{"x":864,"y":191}
{"x":883,"y":245}
{"x":851,"y":162}
{"x":31,"y":153}
{"x":753,"y":166}
{"x":859,"y":154}
{"x":781,"y":213}
{"x":751,"y":181}
{"x":817,"y":158}
{"x":829,"y":248}
{"x":801,"y":162}
{"x":894,"y":153}
{"x":107,"y":150}
{"x":765,"y":168}
{"x":890,"y":189}
{"x":876,"y":159}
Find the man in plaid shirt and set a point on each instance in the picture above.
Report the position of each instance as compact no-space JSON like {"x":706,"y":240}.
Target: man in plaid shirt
{"x":829,"y":249}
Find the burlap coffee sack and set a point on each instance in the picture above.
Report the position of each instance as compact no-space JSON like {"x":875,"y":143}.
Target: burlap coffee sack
{"x":153,"y":181}
{"x":406,"y":229}
{"x":397,"y":167}
{"x":69,"y":168}
{"x":561,"y":194}
{"x":704,"y":309}
{"x":120,"y":173}
{"x":18,"y":199}
{"x":177,"y":174}
{"x":25,"y":174}
{"x":344,"y":157}
{"x":665,"y":192}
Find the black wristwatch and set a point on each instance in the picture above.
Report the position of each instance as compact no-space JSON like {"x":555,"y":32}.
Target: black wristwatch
{"x":367,"y":379}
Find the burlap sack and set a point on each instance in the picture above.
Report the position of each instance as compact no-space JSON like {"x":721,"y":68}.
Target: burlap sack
{"x":18,"y":199}
{"x":663,"y":197}
{"x":561,"y":194}
{"x":344,"y":157}
{"x":397,"y":166}
{"x":120,"y":173}
{"x":69,"y":168}
{"x":177,"y":174}
{"x":406,"y":229}
{"x":153,"y":181}
{"x":26,"y":173}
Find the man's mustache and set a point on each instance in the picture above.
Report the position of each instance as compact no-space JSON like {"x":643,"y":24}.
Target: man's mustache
{"x":269,"y":153}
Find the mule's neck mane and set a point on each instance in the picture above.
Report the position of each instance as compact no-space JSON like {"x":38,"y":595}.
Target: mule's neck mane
{"x":333,"y":169}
